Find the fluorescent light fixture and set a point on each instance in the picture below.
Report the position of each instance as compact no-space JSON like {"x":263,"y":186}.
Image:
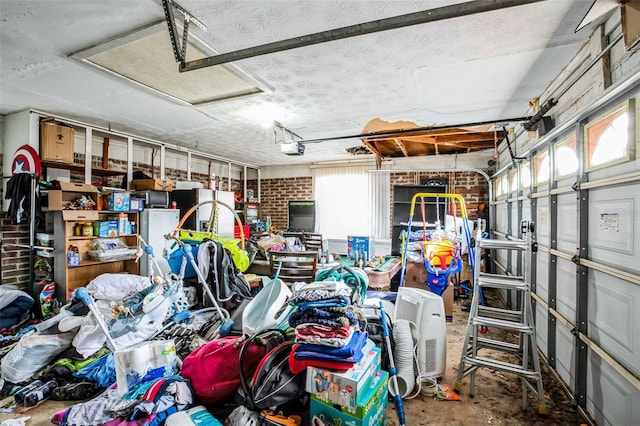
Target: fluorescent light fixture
{"x":145,"y":57}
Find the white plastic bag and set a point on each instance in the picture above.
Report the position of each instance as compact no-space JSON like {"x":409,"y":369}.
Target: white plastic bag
{"x":33,"y":352}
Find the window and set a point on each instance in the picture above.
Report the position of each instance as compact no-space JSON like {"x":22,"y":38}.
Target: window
{"x":608,"y":138}
{"x":513,"y":178}
{"x":351,"y":201}
{"x":566,"y":158}
{"x":541,"y":167}
{"x":525,"y":175}
{"x":501,"y":185}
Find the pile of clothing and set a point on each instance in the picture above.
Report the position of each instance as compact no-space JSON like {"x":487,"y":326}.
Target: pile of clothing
{"x":330,"y":331}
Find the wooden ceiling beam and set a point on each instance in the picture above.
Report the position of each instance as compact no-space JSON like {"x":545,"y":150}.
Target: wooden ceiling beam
{"x":375,"y":150}
{"x":401,"y":146}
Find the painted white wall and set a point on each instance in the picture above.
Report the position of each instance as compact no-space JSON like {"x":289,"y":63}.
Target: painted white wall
{"x":20,"y":128}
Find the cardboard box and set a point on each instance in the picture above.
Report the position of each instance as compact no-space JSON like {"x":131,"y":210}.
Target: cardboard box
{"x":345,"y":388}
{"x":56,"y":142}
{"x":119,"y":201}
{"x":104,"y":229}
{"x":153,"y":184}
{"x":370,"y":411}
{"x":59,"y":198}
{"x":80,"y":215}
{"x":360,"y":245}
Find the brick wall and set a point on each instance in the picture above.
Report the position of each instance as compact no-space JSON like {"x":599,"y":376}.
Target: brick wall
{"x":15,"y":261}
{"x":275,"y":194}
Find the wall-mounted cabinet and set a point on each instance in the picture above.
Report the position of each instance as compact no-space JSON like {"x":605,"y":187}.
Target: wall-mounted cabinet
{"x":75,"y":232}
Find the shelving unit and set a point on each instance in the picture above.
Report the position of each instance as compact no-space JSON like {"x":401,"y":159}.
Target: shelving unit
{"x":402,"y":196}
{"x":68,"y":278}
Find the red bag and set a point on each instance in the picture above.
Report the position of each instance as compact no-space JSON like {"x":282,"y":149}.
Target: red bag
{"x":214,"y":368}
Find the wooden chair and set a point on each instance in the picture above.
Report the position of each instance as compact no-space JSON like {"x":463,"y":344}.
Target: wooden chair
{"x":313,"y":242}
{"x":294,"y":266}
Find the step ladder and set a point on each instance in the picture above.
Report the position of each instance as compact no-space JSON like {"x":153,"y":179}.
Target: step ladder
{"x":518,"y":321}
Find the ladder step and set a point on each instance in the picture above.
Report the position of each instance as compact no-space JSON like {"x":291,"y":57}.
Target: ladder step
{"x":479,"y":361}
{"x":503,"y":314}
{"x":508,"y":325}
{"x":502,"y":281}
{"x":503,"y":244}
{"x":484,"y":343}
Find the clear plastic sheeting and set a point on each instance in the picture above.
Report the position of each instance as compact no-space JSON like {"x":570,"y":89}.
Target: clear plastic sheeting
{"x":109,"y":249}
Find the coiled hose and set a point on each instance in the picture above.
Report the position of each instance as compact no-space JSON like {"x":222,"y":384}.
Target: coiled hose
{"x":355,"y":278}
{"x":403,"y":356}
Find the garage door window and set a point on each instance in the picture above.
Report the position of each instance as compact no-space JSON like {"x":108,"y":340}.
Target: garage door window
{"x":608,"y":139}
{"x":541,"y":167}
{"x":525,"y":175}
{"x":513,"y":178}
{"x":566,"y":159}
{"x":501,"y":186}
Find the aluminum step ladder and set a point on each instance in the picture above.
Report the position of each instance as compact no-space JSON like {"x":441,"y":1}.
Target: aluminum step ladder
{"x":518,"y":321}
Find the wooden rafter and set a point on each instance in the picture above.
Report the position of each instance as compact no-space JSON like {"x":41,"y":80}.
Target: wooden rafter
{"x":401,"y":146}
{"x":373,"y":149}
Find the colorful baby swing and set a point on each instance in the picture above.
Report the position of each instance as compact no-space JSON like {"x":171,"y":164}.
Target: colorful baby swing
{"x":441,"y":254}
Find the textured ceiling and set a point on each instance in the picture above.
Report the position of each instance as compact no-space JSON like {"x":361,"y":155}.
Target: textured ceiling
{"x":461,"y":70}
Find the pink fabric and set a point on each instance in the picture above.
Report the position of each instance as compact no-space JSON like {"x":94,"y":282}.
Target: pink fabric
{"x":303,"y":331}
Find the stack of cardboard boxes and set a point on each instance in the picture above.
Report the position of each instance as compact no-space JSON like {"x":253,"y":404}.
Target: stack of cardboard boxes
{"x":356,"y":397}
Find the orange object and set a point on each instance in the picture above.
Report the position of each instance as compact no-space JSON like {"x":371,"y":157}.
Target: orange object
{"x":439,"y":253}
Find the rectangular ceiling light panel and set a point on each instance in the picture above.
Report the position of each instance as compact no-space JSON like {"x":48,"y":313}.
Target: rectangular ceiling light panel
{"x":145,"y":57}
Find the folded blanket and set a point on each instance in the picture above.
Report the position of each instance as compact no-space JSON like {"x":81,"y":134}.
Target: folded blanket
{"x":299,"y":365}
{"x":318,"y":290}
{"x":319,"y":334}
{"x":334,"y":302}
{"x":355,"y":345}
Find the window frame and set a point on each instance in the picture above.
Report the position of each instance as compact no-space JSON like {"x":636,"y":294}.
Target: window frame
{"x":611,"y":114}
{"x":565,"y":141}
{"x":538,"y":158}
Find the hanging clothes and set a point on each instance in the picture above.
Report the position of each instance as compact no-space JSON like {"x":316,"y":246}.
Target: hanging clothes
{"x":19,"y":192}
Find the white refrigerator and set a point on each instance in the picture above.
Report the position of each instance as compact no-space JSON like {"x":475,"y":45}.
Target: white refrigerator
{"x":154,"y":224}
{"x":226,"y":218}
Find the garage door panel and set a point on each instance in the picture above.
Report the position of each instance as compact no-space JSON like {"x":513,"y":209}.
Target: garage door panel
{"x":542,"y":331}
{"x":566,"y":289}
{"x":526,"y":211}
{"x":515,"y":220}
{"x":502,"y":224}
{"x":611,"y":399}
{"x":543,"y":222}
{"x":567,"y":224}
{"x":542,"y":275}
{"x":614,"y":233}
{"x":614,"y":318}
{"x":565,"y":355}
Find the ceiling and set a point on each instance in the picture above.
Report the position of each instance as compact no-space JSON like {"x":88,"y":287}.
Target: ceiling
{"x":479,"y":68}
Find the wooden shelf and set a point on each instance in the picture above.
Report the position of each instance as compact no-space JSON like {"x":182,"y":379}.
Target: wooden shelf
{"x":82,"y":237}
{"x":98,"y":262}
{"x":79,"y":168}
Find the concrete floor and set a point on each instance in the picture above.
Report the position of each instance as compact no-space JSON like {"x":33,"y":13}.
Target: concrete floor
{"x":497,"y":398}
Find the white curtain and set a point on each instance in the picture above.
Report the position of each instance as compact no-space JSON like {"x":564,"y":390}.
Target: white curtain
{"x":351,"y":201}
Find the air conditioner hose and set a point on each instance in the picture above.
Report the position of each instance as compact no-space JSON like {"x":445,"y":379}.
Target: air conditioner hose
{"x":403,"y":356}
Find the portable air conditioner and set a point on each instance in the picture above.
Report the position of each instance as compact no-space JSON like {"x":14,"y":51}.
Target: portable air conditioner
{"x":426,"y":311}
